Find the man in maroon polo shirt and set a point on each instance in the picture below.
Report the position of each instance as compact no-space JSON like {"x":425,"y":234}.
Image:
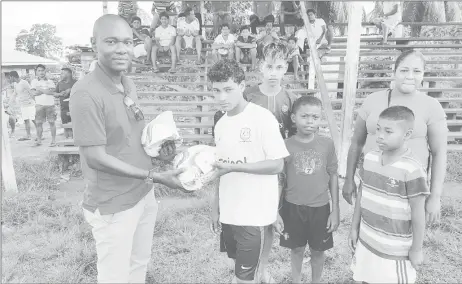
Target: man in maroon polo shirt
{"x":119,"y":202}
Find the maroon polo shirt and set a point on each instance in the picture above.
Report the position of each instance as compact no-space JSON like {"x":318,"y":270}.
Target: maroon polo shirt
{"x":99,"y":117}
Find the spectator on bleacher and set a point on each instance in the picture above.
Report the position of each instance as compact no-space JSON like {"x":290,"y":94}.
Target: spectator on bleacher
{"x":142,"y":43}
{"x":196,"y":7}
{"x":119,"y":202}
{"x":293,"y":58}
{"x":266,"y":36}
{"x":262,"y":14}
{"x":43,"y":89}
{"x":246,"y":48}
{"x":289,"y":14}
{"x":159,"y":7}
{"x":187,"y":33}
{"x":164,"y":41}
{"x":63,"y":91}
{"x":127,"y":9}
{"x":222,"y":15}
{"x":319,"y":28}
{"x":393,"y":14}
{"x":223,"y":44}
{"x":24,"y":97}
{"x":429,"y":138}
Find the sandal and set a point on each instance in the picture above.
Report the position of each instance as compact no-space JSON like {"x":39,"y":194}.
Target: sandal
{"x":172,"y":70}
{"x":37,"y":144}
{"x":23,"y":139}
{"x":155,"y":70}
{"x":52,"y":144}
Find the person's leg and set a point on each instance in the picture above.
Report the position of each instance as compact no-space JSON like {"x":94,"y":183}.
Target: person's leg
{"x":12,"y":123}
{"x":198,"y":41}
{"x":264,"y":259}
{"x":384,"y":33}
{"x":51,"y":118}
{"x":216,"y":25}
{"x":317,"y":265}
{"x":155,"y":21}
{"x":142,"y":240}
{"x":253,"y":54}
{"x":254,"y":22}
{"x":179,"y":40}
{"x":249,"y":248}
{"x":238,"y":54}
{"x":27,"y":125}
{"x":282,"y":27}
{"x":296,"y":263}
{"x":296,"y":64}
{"x":114,"y":236}
{"x":148,"y":47}
{"x":154,"y":51}
{"x":230,"y":53}
{"x":173,"y":56}
{"x":40,"y":116}
{"x":329,"y":35}
{"x":215,"y":55}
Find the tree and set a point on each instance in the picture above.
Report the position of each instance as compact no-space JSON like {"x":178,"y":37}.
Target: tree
{"x":40,"y":40}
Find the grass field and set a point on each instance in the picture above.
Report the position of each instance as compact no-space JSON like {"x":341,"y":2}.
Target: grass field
{"x":45,"y":238}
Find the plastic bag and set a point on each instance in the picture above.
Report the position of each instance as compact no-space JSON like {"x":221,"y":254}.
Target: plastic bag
{"x":159,"y":130}
{"x":198,"y":161}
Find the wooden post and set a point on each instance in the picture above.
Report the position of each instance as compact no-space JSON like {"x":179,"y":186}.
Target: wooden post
{"x":350,"y":81}
{"x":8,"y":175}
{"x":104,"y":7}
{"x":322,"y":85}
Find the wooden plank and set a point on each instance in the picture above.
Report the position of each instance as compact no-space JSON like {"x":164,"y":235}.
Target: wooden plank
{"x":454,"y":134}
{"x":454,"y":147}
{"x":320,"y":78}
{"x":183,"y":113}
{"x":350,"y":82}
{"x":379,"y":39}
{"x":394,"y":46}
{"x":73,"y":150}
{"x":8,"y":174}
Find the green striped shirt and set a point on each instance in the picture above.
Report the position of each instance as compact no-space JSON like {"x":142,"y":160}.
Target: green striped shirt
{"x":386,"y":224}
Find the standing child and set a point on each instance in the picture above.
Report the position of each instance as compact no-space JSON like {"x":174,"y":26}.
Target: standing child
{"x":311,"y":172}
{"x":389,"y":216}
{"x":270,"y":94}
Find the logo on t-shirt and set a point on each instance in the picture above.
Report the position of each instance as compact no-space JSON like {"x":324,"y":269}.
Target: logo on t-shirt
{"x":245,"y":134}
{"x":392,"y":182}
{"x":307,"y":162}
{"x":284,"y":108}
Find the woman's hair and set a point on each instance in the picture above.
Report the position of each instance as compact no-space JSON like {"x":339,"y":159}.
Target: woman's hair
{"x":406,"y":54}
{"x":226,"y":69}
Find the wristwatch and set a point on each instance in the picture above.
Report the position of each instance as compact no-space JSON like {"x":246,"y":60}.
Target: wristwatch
{"x":149,"y":179}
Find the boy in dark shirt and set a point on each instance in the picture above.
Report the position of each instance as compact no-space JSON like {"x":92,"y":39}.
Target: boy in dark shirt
{"x":311,"y":173}
{"x":246,"y":47}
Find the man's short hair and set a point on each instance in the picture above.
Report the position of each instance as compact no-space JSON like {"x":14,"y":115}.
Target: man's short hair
{"x":67,"y":69}
{"x":398,"y":113}
{"x":292,"y":37}
{"x":136,"y":18}
{"x":275,"y":50}
{"x":187,"y":11}
{"x":310,"y":10}
{"x":224,"y":25}
{"x":163,"y":14}
{"x":224,"y":70}
{"x":306,"y":100}
{"x":12,"y":74}
{"x":245,"y":27}
{"x":269,"y":20}
{"x":40,"y":66}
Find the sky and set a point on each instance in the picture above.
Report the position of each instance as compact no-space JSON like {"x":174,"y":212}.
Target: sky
{"x":73,"y":19}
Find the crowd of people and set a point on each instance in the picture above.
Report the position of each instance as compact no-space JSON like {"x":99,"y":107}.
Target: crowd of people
{"x":34,"y":103}
{"x":276,"y":173}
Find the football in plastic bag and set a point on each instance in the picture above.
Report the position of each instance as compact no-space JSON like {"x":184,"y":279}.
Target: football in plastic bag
{"x":198,"y":161}
{"x":159,"y":130}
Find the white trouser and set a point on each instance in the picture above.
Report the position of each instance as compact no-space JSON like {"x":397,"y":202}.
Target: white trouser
{"x":124,"y":240}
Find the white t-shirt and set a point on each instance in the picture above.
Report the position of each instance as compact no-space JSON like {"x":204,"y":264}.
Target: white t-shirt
{"x":316,"y":27}
{"x":165,"y":35}
{"x":221,"y":40}
{"x":248,"y":137}
{"x":23,"y":95}
{"x":394,"y":19}
{"x":188,"y":28}
{"x":43,"y":99}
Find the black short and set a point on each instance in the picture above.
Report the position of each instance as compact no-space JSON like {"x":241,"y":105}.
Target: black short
{"x":244,"y":244}
{"x":65,"y":117}
{"x":305,"y":224}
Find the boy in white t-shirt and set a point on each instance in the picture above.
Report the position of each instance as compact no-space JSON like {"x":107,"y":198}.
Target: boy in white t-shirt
{"x":164,"y":41}
{"x":393,"y":15}
{"x":250,"y":154}
{"x":188,"y":33}
{"x":223,"y":46}
{"x":319,"y":28}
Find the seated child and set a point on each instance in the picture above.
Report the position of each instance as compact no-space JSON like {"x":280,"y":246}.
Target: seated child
{"x":246,"y":47}
{"x":266,"y":36}
{"x":142,"y":43}
{"x":164,"y":37}
{"x":223,"y":46}
{"x":293,"y":57}
{"x":389,"y":214}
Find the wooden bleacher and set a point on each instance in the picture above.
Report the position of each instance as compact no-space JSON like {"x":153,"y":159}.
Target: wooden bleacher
{"x":194,"y":112}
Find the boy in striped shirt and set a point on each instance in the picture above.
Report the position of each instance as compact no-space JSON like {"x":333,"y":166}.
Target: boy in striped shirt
{"x":389,"y":217}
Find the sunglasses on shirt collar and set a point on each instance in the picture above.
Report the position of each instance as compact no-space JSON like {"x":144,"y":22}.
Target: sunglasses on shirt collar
{"x":134,"y":108}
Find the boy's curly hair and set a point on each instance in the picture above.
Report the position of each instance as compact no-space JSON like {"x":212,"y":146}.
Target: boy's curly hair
{"x":225,"y":69}
{"x":276,"y":50}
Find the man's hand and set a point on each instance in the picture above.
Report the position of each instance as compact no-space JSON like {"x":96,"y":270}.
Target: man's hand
{"x":416,"y":257}
{"x":170,"y":178}
{"x":349,"y":190}
{"x":278,"y":225}
{"x":333,"y":220}
{"x":432,"y":209}
{"x":215,"y":226}
{"x":167,"y":151}
{"x":353,"y":239}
